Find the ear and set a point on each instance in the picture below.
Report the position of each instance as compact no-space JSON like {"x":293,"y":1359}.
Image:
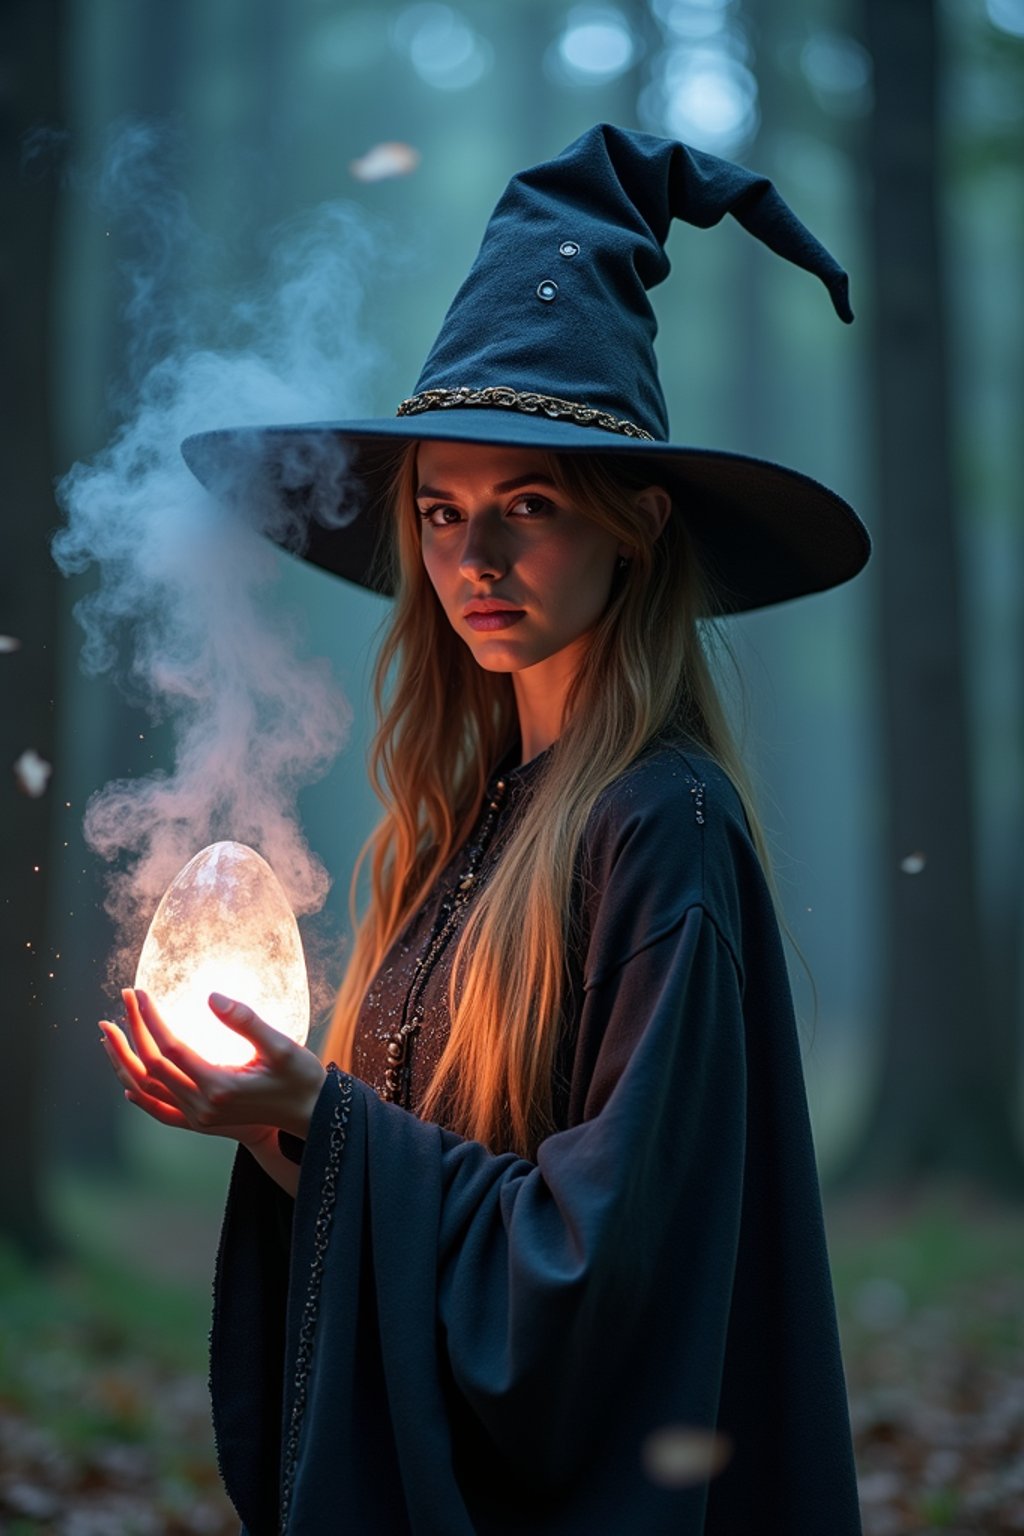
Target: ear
{"x":655,"y":505}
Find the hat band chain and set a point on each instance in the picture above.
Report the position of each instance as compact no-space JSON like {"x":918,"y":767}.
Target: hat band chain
{"x":521,"y":400}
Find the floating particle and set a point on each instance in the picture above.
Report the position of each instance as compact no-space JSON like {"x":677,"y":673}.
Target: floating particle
{"x":913,"y":863}
{"x":384,"y":161}
{"x":8,"y":643}
{"x":679,"y":1456}
{"x":32,"y":773}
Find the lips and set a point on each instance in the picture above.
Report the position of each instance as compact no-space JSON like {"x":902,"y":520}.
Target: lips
{"x":483,"y":620}
{"x":484,"y":614}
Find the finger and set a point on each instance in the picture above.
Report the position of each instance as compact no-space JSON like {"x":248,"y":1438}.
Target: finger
{"x":157,"y":1109}
{"x":241,"y":1018}
{"x":162,"y":1053}
{"x":128,"y":1069}
{"x":201,"y":1090}
{"x":117,"y":1043}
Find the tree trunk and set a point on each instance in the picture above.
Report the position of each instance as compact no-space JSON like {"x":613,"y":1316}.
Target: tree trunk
{"x":947,"y":1069}
{"x":30,"y":31}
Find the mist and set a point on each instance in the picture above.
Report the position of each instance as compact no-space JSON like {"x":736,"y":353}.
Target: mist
{"x":182,"y":615}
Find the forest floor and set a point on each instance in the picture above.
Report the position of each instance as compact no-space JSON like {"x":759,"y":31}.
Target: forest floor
{"x":930,"y":1293}
{"x":104,"y":1421}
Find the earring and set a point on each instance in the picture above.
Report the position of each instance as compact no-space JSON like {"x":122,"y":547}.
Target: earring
{"x":622,"y":564}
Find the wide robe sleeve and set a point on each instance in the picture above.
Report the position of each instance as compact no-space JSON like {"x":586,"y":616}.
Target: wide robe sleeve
{"x":473,"y":1343}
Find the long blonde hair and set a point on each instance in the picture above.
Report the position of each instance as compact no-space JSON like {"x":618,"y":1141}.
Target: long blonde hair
{"x":446,"y":723}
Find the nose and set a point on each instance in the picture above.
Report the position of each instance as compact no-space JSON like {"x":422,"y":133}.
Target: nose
{"x":481,"y":557}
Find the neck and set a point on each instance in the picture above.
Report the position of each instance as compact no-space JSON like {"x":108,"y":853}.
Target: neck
{"x":541,"y":692}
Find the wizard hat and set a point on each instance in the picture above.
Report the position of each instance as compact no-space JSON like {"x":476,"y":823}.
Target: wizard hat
{"x":549,"y":344}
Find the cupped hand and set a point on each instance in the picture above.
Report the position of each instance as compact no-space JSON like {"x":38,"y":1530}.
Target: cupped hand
{"x":163,"y":1076}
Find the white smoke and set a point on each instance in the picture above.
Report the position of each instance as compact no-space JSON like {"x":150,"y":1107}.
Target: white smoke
{"x":181,"y":613}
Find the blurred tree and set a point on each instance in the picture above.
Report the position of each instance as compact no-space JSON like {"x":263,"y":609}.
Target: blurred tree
{"x":30,"y":105}
{"x":947,"y":1072}
{"x":985,"y":107}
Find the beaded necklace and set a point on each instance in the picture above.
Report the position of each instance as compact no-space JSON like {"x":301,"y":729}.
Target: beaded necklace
{"x":398,"y":1074}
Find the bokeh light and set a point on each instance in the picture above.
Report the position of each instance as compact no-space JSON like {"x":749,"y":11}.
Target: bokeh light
{"x":839,"y":71}
{"x":1007,"y":15}
{"x":694,"y":20}
{"x":707,"y":98}
{"x":596,"y":46}
{"x":442,"y":47}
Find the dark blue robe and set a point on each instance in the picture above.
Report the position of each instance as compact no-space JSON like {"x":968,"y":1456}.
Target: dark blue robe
{"x":458,"y":1342}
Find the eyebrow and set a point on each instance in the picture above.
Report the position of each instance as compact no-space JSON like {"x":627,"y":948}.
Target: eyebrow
{"x":501,"y":489}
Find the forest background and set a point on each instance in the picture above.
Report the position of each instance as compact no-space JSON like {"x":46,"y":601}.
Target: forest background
{"x":156,"y":161}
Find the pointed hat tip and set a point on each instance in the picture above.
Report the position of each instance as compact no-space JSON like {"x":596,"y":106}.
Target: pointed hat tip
{"x":839,"y":289}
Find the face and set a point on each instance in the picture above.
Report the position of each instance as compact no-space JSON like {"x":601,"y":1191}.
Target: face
{"x":521,"y":573}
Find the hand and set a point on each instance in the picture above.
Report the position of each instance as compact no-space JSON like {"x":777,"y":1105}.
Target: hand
{"x":275,"y":1091}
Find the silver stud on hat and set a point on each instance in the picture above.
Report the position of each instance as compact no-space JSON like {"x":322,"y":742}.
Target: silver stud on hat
{"x":547,"y":290}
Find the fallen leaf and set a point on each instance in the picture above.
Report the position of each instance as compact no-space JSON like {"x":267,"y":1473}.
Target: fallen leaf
{"x":32,"y":773}
{"x":384,"y":161}
{"x":677,"y":1456}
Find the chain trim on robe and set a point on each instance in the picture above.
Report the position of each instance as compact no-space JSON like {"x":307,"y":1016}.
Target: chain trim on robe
{"x":398,"y":1076}
{"x":310,"y":1310}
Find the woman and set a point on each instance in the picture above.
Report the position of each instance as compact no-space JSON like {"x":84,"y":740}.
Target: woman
{"x":565,"y":1202}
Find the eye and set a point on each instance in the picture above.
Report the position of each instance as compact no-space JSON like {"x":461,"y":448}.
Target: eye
{"x":532,"y":507}
{"x":440,"y":515}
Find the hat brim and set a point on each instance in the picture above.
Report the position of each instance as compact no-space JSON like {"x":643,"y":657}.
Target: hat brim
{"x":764,"y":533}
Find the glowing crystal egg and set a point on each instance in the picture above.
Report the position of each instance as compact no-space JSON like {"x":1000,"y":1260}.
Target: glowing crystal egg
{"x":224,"y":925}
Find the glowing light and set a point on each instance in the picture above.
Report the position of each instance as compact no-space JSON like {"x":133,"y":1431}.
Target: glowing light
{"x":839,"y":71}
{"x":692,"y":19}
{"x":1007,"y":15}
{"x":443,"y":49}
{"x":597,"y":44}
{"x":835,"y":62}
{"x":710,"y":99}
{"x":224,"y":925}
